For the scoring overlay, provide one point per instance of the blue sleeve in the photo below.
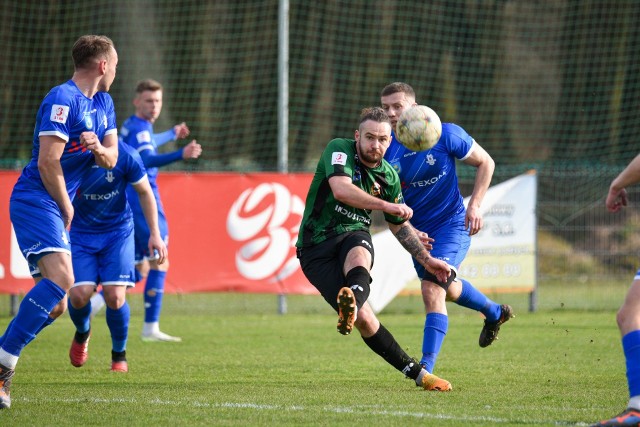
(153, 160)
(164, 137)
(135, 166)
(458, 141)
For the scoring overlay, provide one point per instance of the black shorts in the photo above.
(323, 264)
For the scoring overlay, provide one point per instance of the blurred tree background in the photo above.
(550, 85)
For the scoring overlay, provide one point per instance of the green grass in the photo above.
(242, 364)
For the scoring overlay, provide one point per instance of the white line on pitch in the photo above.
(257, 406)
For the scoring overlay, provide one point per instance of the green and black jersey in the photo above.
(324, 216)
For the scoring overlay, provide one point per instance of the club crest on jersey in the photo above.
(430, 160)
(88, 121)
(375, 190)
(109, 176)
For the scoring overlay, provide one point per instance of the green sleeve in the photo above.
(338, 158)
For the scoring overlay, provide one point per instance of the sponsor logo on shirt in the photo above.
(338, 158)
(352, 215)
(425, 182)
(104, 121)
(101, 197)
(59, 113)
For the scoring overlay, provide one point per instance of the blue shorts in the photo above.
(105, 258)
(451, 244)
(142, 235)
(39, 229)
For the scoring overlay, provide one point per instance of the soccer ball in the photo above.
(418, 128)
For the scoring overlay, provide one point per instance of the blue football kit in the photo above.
(102, 240)
(102, 228)
(66, 113)
(138, 133)
(430, 187)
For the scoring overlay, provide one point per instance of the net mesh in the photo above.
(547, 85)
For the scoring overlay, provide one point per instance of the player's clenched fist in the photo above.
(90, 141)
(192, 150)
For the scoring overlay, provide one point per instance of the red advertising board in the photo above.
(228, 232)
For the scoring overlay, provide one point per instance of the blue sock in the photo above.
(33, 313)
(81, 317)
(118, 323)
(435, 329)
(153, 293)
(631, 347)
(472, 298)
(44, 325)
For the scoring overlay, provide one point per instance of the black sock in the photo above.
(358, 279)
(383, 343)
(81, 338)
(118, 356)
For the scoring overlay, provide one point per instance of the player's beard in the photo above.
(372, 157)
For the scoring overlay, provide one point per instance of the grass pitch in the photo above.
(242, 364)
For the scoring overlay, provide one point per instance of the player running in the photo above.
(75, 130)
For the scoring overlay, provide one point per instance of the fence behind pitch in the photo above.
(546, 85)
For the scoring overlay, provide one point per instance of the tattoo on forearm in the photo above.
(407, 237)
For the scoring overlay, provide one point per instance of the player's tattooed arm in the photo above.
(406, 235)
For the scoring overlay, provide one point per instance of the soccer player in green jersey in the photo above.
(334, 244)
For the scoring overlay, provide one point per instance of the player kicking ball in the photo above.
(334, 245)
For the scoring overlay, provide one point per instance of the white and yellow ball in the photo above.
(418, 128)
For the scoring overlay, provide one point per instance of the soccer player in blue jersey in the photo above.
(103, 250)
(137, 131)
(430, 188)
(628, 316)
(75, 130)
